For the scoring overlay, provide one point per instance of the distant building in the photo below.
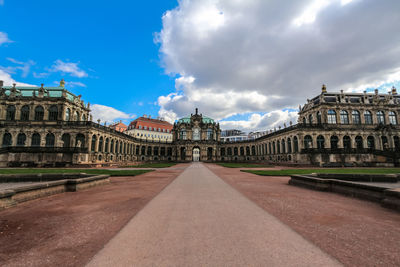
(146, 128)
(119, 126)
(233, 136)
(255, 135)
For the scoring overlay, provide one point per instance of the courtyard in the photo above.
(199, 214)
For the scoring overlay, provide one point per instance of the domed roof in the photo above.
(187, 120)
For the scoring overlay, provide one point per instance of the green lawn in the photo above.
(151, 165)
(88, 171)
(289, 172)
(243, 165)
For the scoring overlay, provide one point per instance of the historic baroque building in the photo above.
(50, 126)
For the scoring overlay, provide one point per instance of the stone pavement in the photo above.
(199, 220)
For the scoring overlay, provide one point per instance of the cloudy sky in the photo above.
(247, 63)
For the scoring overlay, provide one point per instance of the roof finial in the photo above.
(323, 88)
(394, 91)
(197, 110)
(62, 83)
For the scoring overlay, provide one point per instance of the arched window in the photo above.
(344, 117)
(307, 142)
(35, 139)
(93, 145)
(310, 118)
(107, 143)
(10, 116)
(21, 138)
(25, 113)
(100, 148)
(7, 140)
(183, 153)
(355, 114)
(396, 141)
(392, 118)
(273, 148)
(380, 117)
(331, 116)
(143, 150)
(295, 144)
(83, 117)
(334, 142)
(209, 134)
(80, 140)
(385, 144)
(242, 151)
(117, 146)
(283, 146)
(304, 120)
(253, 150)
(53, 113)
(223, 151)
(368, 117)
(112, 147)
(67, 114)
(77, 116)
(346, 142)
(182, 134)
(278, 147)
(50, 140)
(289, 145)
(229, 151)
(39, 113)
(319, 118)
(371, 142)
(66, 138)
(235, 151)
(320, 142)
(359, 142)
(247, 151)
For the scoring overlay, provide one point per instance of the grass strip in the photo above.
(151, 165)
(243, 165)
(289, 172)
(88, 171)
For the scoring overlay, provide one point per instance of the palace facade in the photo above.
(50, 126)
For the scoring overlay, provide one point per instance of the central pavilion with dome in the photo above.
(196, 137)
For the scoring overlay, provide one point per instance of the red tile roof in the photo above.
(148, 122)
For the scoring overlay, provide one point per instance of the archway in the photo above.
(196, 154)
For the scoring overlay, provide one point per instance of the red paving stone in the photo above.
(356, 232)
(68, 229)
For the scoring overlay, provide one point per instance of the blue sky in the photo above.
(247, 64)
(112, 43)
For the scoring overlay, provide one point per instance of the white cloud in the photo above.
(69, 68)
(8, 80)
(74, 84)
(108, 114)
(25, 67)
(239, 57)
(258, 122)
(4, 37)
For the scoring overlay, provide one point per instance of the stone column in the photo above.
(96, 146)
(340, 141)
(327, 143)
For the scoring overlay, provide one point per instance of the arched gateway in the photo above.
(196, 154)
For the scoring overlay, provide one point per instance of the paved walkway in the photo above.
(199, 220)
